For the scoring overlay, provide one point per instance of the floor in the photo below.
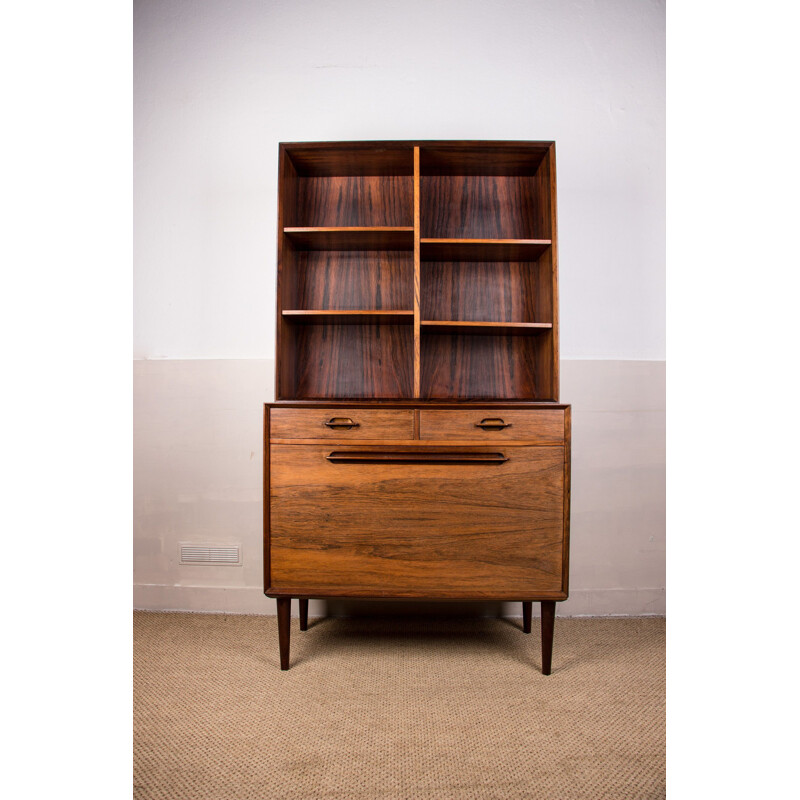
(397, 708)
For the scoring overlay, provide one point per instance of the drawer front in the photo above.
(540, 426)
(343, 424)
(415, 521)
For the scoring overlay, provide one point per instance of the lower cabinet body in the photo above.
(469, 512)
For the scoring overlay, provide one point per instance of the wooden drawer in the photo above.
(539, 426)
(343, 424)
(417, 521)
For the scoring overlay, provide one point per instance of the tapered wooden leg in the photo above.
(548, 623)
(284, 608)
(527, 606)
(303, 614)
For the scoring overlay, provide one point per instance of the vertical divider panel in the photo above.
(417, 294)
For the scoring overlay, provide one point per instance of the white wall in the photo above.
(219, 83)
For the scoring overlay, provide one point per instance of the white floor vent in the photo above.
(219, 554)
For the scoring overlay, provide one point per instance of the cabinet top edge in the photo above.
(396, 158)
(533, 404)
(404, 143)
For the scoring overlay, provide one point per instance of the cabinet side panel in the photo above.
(546, 191)
(285, 379)
(265, 497)
(567, 491)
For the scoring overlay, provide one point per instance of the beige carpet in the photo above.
(388, 708)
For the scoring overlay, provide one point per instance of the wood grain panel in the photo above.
(479, 207)
(405, 530)
(336, 279)
(548, 182)
(483, 367)
(265, 495)
(355, 200)
(542, 288)
(482, 292)
(545, 427)
(542, 197)
(373, 423)
(567, 490)
(351, 158)
(285, 376)
(482, 158)
(353, 361)
(545, 307)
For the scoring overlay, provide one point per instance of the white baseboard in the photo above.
(251, 600)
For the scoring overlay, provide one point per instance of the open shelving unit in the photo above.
(417, 270)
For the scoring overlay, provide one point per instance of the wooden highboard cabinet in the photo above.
(416, 448)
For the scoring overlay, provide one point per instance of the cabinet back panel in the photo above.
(358, 361)
(354, 201)
(482, 207)
(477, 291)
(490, 158)
(359, 279)
(351, 158)
(542, 278)
(465, 366)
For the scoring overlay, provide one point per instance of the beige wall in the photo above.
(197, 477)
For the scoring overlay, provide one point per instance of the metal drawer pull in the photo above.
(492, 424)
(341, 422)
(399, 457)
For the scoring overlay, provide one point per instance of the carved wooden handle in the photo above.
(341, 422)
(492, 424)
(400, 457)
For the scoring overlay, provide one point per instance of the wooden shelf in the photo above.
(348, 316)
(352, 238)
(482, 249)
(485, 328)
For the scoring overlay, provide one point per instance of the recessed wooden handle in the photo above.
(492, 424)
(341, 422)
(400, 457)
